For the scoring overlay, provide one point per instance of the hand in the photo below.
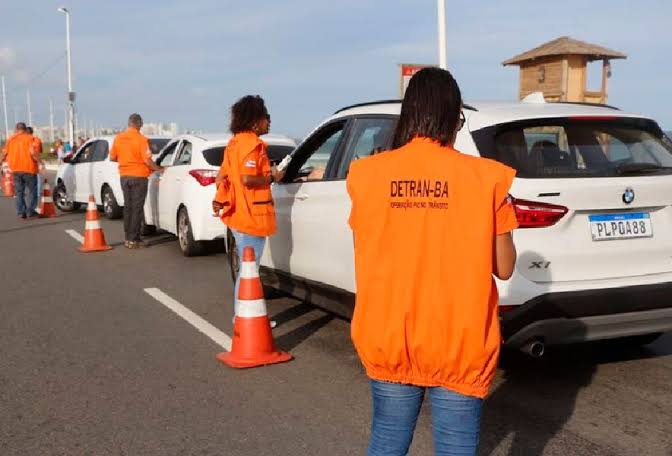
(160, 169)
(277, 175)
(216, 207)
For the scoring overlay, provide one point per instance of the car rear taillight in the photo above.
(531, 214)
(204, 176)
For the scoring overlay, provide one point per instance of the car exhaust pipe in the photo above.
(534, 348)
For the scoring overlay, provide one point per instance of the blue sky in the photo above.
(188, 61)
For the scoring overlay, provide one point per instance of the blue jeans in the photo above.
(243, 240)
(25, 183)
(456, 419)
(38, 190)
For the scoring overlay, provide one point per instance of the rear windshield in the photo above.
(215, 155)
(157, 144)
(578, 147)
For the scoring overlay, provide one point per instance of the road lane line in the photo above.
(75, 235)
(194, 320)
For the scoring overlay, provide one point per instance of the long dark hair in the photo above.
(431, 108)
(246, 112)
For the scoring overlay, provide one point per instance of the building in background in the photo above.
(558, 69)
(161, 129)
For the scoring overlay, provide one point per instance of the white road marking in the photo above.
(194, 320)
(75, 235)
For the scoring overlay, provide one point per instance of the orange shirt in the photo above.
(37, 144)
(424, 219)
(19, 150)
(254, 213)
(130, 149)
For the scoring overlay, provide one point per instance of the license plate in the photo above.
(608, 227)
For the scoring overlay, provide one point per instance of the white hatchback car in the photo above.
(593, 196)
(91, 172)
(179, 201)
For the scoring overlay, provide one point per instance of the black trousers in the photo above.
(135, 193)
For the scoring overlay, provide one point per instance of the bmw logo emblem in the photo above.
(628, 195)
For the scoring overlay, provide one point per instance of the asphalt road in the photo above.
(91, 364)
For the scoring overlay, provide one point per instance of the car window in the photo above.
(368, 136)
(277, 153)
(166, 157)
(312, 159)
(100, 151)
(214, 156)
(85, 154)
(578, 147)
(184, 154)
(156, 144)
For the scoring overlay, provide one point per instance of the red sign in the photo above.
(407, 72)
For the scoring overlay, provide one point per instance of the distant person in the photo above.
(131, 150)
(59, 150)
(248, 170)
(23, 160)
(431, 227)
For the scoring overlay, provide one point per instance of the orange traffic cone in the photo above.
(94, 238)
(7, 182)
(252, 343)
(47, 208)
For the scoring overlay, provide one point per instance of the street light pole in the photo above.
(71, 93)
(443, 63)
(4, 108)
(30, 112)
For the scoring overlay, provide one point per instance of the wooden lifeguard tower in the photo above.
(558, 69)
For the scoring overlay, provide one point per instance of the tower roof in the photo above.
(566, 45)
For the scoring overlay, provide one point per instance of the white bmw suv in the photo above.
(593, 196)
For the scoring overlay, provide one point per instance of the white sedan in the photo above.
(90, 172)
(179, 201)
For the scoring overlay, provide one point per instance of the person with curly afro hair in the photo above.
(246, 173)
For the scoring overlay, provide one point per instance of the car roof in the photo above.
(110, 138)
(487, 113)
(221, 139)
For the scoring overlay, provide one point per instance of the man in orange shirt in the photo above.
(24, 162)
(431, 227)
(131, 150)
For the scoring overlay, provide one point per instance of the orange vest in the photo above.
(19, 150)
(130, 149)
(254, 213)
(424, 219)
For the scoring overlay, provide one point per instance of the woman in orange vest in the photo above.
(249, 172)
(431, 227)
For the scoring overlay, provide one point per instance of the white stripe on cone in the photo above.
(248, 270)
(252, 308)
(92, 225)
(47, 199)
(92, 206)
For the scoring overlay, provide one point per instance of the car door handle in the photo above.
(302, 196)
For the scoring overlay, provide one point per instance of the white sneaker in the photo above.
(273, 324)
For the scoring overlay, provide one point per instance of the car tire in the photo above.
(111, 209)
(185, 235)
(232, 253)
(61, 199)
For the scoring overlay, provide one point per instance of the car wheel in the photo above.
(185, 235)
(61, 199)
(234, 259)
(111, 209)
